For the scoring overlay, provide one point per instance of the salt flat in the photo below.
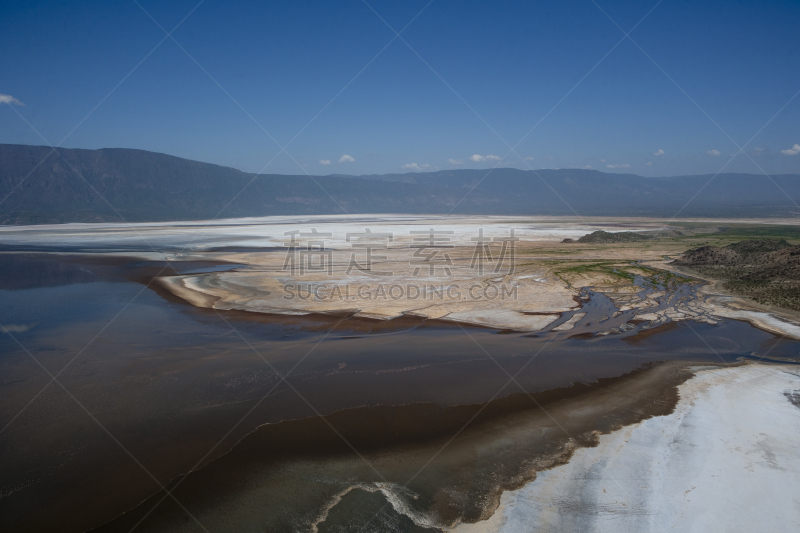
(501, 272)
(725, 460)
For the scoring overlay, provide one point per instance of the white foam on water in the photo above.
(393, 494)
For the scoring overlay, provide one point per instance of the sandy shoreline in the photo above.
(544, 284)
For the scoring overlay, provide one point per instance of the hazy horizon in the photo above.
(410, 171)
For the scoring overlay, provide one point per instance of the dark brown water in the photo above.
(156, 388)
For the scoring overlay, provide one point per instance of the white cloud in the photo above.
(658, 152)
(419, 168)
(324, 161)
(528, 158)
(477, 158)
(8, 99)
(455, 161)
(602, 160)
(794, 150)
(714, 153)
(346, 159)
(649, 163)
(620, 165)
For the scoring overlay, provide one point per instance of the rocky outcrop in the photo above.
(767, 270)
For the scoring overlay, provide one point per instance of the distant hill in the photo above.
(601, 236)
(748, 253)
(767, 270)
(605, 237)
(39, 185)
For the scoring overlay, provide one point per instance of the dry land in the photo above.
(511, 273)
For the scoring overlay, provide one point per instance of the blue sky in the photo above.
(482, 76)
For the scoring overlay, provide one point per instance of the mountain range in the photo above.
(40, 185)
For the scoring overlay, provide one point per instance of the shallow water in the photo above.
(172, 387)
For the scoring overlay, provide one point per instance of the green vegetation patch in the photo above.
(613, 270)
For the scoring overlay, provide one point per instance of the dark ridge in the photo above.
(601, 236)
(41, 185)
(751, 253)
